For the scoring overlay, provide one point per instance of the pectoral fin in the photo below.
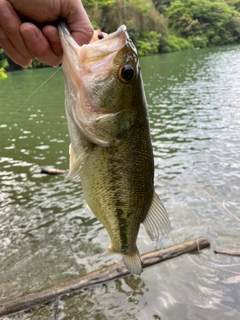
(107, 129)
(76, 164)
(157, 221)
(72, 156)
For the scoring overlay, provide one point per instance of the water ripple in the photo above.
(46, 234)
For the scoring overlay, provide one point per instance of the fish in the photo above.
(111, 147)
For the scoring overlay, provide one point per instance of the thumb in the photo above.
(78, 22)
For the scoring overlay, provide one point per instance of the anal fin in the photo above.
(132, 261)
(157, 221)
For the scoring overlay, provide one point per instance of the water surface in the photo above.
(47, 236)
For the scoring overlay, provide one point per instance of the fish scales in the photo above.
(111, 146)
(121, 192)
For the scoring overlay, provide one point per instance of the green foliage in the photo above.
(133, 30)
(188, 27)
(204, 22)
(234, 3)
(176, 43)
(3, 64)
(3, 60)
(99, 3)
(142, 5)
(161, 5)
(37, 64)
(199, 41)
(3, 74)
(148, 43)
(157, 26)
(138, 15)
(235, 25)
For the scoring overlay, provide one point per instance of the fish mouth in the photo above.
(94, 51)
(65, 34)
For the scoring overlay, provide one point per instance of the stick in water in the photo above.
(100, 276)
(52, 171)
(228, 252)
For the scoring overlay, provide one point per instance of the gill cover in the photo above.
(99, 85)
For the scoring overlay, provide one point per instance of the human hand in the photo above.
(27, 29)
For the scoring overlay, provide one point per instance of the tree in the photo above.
(149, 43)
(203, 19)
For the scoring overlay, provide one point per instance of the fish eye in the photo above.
(127, 72)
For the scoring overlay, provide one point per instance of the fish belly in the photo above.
(118, 187)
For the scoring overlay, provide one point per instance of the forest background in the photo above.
(161, 26)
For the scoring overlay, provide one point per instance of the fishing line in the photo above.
(19, 108)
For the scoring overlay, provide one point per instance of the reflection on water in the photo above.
(46, 234)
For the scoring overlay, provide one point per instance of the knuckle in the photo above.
(56, 62)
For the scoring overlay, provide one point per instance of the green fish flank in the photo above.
(111, 146)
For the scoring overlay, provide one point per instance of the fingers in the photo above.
(25, 42)
(10, 38)
(11, 51)
(52, 35)
(42, 45)
(78, 22)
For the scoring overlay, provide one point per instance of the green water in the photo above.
(47, 236)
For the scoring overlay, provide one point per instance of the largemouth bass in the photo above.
(111, 147)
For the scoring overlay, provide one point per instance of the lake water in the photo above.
(47, 236)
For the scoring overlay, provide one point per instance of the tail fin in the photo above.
(133, 262)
